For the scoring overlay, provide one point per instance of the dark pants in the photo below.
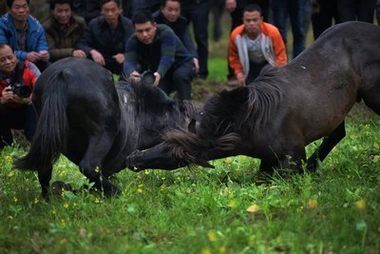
(324, 12)
(361, 10)
(297, 12)
(254, 71)
(197, 13)
(14, 118)
(179, 79)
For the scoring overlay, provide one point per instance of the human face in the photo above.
(252, 22)
(171, 10)
(111, 13)
(8, 60)
(62, 13)
(145, 32)
(20, 10)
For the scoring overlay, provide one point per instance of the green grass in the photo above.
(335, 210)
(204, 211)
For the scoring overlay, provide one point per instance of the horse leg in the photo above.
(267, 166)
(293, 159)
(44, 177)
(326, 146)
(91, 163)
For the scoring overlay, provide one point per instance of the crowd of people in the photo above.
(130, 37)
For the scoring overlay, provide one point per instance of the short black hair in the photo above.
(54, 2)
(163, 2)
(10, 2)
(117, 2)
(253, 7)
(141, 17)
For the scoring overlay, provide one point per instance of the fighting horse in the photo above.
(95, 124)
(285, 109)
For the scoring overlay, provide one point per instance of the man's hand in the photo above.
(240, 78)
(21, 100)
(135, 76)
(196, 64)
(44, 55)
(158, 78)
(6, 95)
(119, 58)
(79, 53)
(230, 5)
(33, 56)
(97, 57)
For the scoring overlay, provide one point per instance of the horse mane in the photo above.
(264, 98)
(252, 105)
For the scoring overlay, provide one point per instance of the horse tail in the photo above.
(49, 137)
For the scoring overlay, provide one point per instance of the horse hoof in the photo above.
(59, 187)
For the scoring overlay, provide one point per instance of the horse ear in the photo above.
(191, 126)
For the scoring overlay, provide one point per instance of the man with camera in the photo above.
(16, 83)
(155, 47)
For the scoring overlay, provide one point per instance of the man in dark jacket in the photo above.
(63, 30)
(105, 39)
(157, 48)
(170, 15)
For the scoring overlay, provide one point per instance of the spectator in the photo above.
(196, 12)
(105, 39)
(324, 12)
(16, 110)
(170, 15)
(24, 34)
(88, 9)
(236, 7)
(253, 45)
(297, 10)
(63, 30)
(362, 10)
(157, 48)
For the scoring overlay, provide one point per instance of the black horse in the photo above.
(285, 109)
(95, 125)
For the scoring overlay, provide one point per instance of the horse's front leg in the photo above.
(44, 177)
(326, 146)
(293, 159)
(91, 163)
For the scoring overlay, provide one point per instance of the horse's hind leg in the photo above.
(326, 146)
(44, 177)
(91, 163)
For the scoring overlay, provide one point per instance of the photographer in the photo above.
(16, 82)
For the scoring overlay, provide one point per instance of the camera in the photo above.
(21, 90)
(148, 78)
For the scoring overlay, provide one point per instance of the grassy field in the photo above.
(194, 210)
(224, 210)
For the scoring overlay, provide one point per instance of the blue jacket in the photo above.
(35, 35)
